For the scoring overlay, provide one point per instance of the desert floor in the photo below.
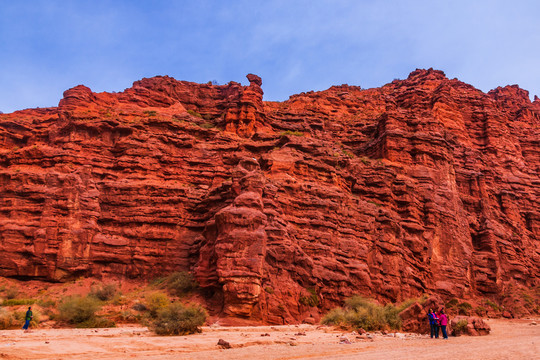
(510, 339)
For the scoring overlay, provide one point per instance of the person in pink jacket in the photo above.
(443, 322)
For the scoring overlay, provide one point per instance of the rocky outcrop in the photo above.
(468, 325)
(233, 253)
(280, 209)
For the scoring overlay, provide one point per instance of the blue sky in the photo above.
(49, 46)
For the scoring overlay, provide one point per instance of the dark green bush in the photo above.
(177, 319)
(310, 300)
(80, 311)
(464, 308)
(180, 283)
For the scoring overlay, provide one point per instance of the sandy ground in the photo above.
(510, 339)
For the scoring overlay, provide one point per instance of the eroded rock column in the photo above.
(239, 246)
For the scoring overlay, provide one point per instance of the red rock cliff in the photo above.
(423, 185)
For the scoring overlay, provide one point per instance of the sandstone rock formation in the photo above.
(280, 209)
(468, 325)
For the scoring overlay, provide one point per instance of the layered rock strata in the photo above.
(280, 209)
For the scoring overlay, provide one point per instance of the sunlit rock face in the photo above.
(279, 209)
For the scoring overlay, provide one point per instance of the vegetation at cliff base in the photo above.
(178, 319)
(81, 312)
(360, 312)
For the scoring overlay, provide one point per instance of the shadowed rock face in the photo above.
(423, 185)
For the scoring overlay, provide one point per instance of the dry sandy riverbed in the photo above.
(510, 339)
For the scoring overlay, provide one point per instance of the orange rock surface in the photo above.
(425, 185)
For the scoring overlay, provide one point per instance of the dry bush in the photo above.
(155, 302)
(7, 319)
(364, 313)
(81, 312)
(104, 292)
(177, 319)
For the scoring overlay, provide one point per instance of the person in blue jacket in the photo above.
(27, 318)
(433, 324)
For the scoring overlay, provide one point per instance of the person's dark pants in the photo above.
(443, 329)
(437, 331)
(433, 328)
(26, 325)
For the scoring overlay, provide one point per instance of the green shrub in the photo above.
(391, 315)
(104, 292)
(180, 283)
(334, 317)
(369, 318)
(78, 310)
(460, 327)
(14, 302)
(310, 300)
(177, 319)
(363, 313)
(194, 113)
(348, 153)
(357, 302)
(150, 113)
(155, 302)
(464, 308)
(452, 303)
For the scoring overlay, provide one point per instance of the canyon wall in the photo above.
(280, 209)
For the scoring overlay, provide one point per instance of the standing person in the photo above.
(444, 321)
(437, 323)
(432, 323)
(28, 317)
